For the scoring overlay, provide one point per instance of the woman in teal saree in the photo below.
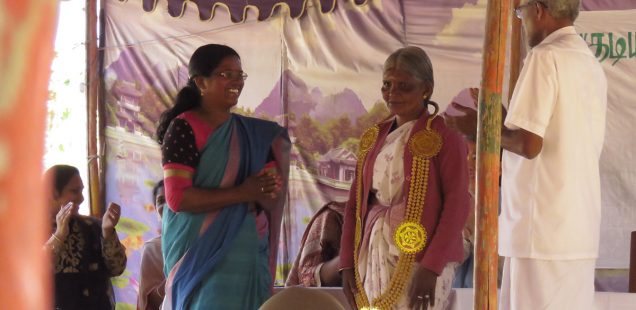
(225, 178)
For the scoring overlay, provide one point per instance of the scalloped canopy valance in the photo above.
(238, 8)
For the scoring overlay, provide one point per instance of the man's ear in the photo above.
(541, 10)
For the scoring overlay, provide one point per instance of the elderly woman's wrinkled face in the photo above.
(72, 192)
(403, 93)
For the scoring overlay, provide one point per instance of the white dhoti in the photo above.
(535, 284)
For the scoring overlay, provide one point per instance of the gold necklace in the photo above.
(410, 236)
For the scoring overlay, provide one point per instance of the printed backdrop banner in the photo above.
(611, 36)
(318, 75)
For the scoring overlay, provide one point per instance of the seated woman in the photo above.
(317, 261)
(402, 234)
(86, 250)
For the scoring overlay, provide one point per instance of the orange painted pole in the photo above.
(488, 148)
(26, 32)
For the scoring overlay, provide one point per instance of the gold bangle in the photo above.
(340, 270)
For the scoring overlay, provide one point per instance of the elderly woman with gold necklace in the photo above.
(402, 233)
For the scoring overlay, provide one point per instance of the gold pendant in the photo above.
(368, 139)
(410, 237)
(425, 143)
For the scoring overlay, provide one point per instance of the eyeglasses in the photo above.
(232, 75)
(519, 9)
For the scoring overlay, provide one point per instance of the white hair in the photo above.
(563, 9)
(414, 60)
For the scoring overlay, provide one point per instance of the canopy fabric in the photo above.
(238, 8)
(266, 8)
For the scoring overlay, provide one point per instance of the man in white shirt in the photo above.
(552, 139)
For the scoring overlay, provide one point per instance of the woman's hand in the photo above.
(422, 291)
(61, 219)
(262, 187)
(329, 275)
(349, 286)
(110, 219)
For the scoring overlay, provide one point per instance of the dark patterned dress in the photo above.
(84, 265)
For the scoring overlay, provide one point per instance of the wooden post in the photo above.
(95, 163)
(27, 34)
(632, 264)
(488, 149)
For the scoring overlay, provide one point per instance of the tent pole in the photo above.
(488, 150)
(95, 162)
(632, 264)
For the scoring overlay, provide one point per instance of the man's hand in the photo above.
(465, 124)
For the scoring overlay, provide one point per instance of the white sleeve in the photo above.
(535, 94)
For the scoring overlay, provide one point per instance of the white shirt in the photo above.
(551, 205)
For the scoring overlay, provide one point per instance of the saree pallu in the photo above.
(217, 260)
(320, 243)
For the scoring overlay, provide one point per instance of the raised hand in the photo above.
(61, 219)
(110, 219)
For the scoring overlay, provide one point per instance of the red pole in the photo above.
(488, 148)
(27, 34)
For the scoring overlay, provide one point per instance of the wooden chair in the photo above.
(296, 297)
